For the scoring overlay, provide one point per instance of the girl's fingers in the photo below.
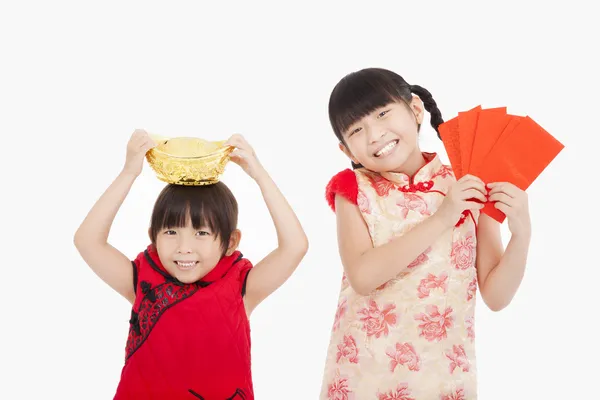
(468, 177)
(501, 197)
(474, 194)
(477, 185)
(504, 187)
(506, 209)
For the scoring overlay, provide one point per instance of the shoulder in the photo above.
(343, 183)
(243, 265)
(142, 257)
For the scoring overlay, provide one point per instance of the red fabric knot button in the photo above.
(417, 187)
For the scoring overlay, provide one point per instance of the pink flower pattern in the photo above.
(347, 350)
(470, 322)
(404, 354)
(376, 322)
(443, 172)
(402, 392)
(472, 289)
(421, 259)
(338, 390)
(363, 202)
(434, 325)
(459, 394)
(412, 202)
(463, 253)
(381, 185)
(432, 282)
(458, 358)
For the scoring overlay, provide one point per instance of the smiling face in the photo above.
(188, 254)
(376, 117)
(386, 139)
(193, 227)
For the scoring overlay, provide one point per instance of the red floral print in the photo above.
(432, 282)
(381, 185)
(458, 358)
(402, 392)
(443, 172)
(472, 289)
(348, 350)
(414, 202)
(434, 324)
(363, 203)
(459, 394)
(338, 390)
(421, 259)
(404, 354)
(376, 322)
(470, 322)
(463, 253)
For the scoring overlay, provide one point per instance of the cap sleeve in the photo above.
(135, 265)
(344, 184)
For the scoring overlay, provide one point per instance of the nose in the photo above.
(183, 246)
(375, 133)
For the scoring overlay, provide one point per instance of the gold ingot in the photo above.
(187, 160)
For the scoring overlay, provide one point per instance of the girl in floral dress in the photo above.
(414, 249)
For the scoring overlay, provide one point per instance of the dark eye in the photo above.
(170, 232)
(203, 233)
(381, 114)
(354, 131)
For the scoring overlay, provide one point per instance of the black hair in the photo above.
(360, 93)
(212, 206)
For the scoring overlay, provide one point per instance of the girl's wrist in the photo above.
(129, 175)
(261, 176)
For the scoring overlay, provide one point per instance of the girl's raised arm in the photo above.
(91, 239)
(367, 267)
(292, 244)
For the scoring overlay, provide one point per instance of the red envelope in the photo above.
(498, 147)
(468, 123)
(491, 126)
(449, 134)
(519, 158)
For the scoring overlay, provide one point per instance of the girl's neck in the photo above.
(412, 165)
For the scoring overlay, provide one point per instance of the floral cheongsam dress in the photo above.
(413, 337)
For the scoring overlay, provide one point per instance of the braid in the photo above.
(430, 106)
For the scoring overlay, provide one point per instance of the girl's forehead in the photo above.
(373, 113)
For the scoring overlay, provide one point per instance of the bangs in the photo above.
(211, 206)
(180, 212)
(360, 93)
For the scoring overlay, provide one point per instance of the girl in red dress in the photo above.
(191, 290)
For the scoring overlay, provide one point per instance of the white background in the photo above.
(78, 77)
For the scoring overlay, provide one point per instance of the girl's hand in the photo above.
(460, 197)
(244, 156)
(514, 203)
(139, 143)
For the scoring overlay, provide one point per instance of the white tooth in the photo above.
(186, 265)
(386, 149)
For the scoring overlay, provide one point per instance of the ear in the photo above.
(417, 107)
(234, 242)
(347, 152)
